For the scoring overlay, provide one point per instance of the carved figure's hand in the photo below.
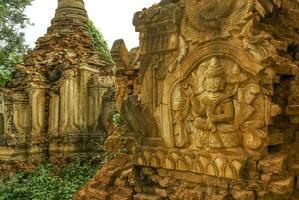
(202, 124)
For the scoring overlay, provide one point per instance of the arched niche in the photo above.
(193, 60)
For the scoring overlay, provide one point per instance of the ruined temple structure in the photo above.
(127, 72)
(53, 106)
(216, 116)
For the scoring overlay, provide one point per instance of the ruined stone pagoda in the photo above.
(53, 104)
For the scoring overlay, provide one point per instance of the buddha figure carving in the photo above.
(213, 109)
(220, 106)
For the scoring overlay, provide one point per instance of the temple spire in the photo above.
(70, 12)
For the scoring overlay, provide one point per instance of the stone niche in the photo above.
(206, 86)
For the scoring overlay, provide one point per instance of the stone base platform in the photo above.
(75, 146)
(220, 163)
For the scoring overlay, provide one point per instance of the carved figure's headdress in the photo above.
(214, 69)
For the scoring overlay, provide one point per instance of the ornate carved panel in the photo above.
(212, 96)
(220, 104)
(21, 115)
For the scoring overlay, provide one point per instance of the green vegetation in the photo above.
(12, 42)
(99, 42)
(46, 183)
(117, 120)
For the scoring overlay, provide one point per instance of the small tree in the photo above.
(12, 42)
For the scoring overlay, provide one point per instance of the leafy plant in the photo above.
(12, 42)
(117, 120)
(46, 183)
(99, 42)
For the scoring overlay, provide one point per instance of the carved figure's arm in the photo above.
(198, 109)
(228, 112)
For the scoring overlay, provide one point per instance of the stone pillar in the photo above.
(94, 103)
(83, 98)
(53, 128)
(37, 102)
(68, 100)
(97, 88)
(21, 117)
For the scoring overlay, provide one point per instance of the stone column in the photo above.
(21, 117)
(94, 104)
(37, 102)
(83, 98)
(98, 86)
(68, 100)
(53, 128)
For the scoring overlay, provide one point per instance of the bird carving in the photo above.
(214, 12)
(208, 19)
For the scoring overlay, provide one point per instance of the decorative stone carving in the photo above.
(218, 105)
(204, 162)
(212, 93)
(53, 128)
(37, 102)
(21, 114)
(211, 19)
(68, 100)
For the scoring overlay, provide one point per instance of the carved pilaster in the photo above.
(83, 98)
(94, 103)
(68, 100)
(37, 102)
(53, 128)
(21, 114)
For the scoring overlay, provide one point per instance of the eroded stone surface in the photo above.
(110, 182)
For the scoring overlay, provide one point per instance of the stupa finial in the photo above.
(70, 11)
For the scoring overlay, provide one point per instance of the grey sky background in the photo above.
(112, 17)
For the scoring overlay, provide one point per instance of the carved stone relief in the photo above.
(21, 115)
(211, 19)
(220, 105)
(37, 102)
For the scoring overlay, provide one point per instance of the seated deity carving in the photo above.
(213, 108)
(218, 107)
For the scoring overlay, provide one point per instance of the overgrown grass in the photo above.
(46, 183)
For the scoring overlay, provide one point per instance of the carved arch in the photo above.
(198, 56)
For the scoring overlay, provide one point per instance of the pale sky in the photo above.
(112, 17)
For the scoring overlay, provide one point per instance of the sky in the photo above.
(112, 17)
